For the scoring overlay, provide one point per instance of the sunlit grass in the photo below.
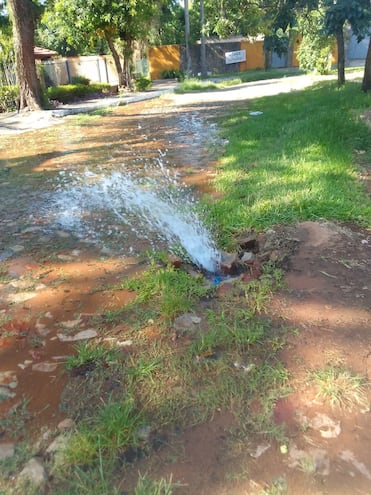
(340, 388)
(294, 162)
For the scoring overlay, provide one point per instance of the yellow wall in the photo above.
(254, 55)
(166, 57)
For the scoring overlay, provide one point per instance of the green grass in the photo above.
(340, 388)
(222, 81)
(294, 162)
(90, 353)
(174, 290)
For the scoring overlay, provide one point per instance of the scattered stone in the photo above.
(45, 367)
(71, 323)
(229, 262)
(6, 450)
(34, 471)
(20, 297)
(76, 252)
(260, 449)
(247, 258)
(90, 333)
(6, 393)
(186, 323)
(42, 330)
(327, 427)
(21, 284)
(66, 425)
(57, 444)
(8, 379)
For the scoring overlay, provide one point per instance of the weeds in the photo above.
(15, 421)
(109, 432)
(146, 486)
(340, 388)
(174, 291)
(90, 353)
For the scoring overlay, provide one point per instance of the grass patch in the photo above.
(340, 388)
(222, 81)
(294, 162)
(172, 291)
(89, 354)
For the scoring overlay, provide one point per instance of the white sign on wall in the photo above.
(234, 57)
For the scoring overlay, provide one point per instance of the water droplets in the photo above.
(151, 203)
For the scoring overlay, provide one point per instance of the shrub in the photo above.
(80, 80)
(142, 84)
(8, 98)
(173, 74)
(72, 92)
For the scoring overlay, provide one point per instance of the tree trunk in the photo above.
(116, 59)
(341, 57)
(128, 55)
(366, 83)
(23, 37)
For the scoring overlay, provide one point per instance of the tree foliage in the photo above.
(119, 22)
(316, 47)
(337, 12)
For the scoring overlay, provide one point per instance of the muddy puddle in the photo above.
(51, 274)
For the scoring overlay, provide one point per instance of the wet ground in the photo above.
(49, 276)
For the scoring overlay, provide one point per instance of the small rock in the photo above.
(66, 425)
(6, 393)
(20, 297)
(45, 367)
(90, 333)
(6, 450)
(34, 471)
(57, 444)
(327, 427)
(8, 379)
(186, 323)
(229, 262)
(247, 258)
(260, 449)
(70, 323)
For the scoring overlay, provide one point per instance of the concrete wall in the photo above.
(96, 68)
(161, 58)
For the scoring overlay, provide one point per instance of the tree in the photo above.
(337, 12)
(119, 22)
(23, 21)
(366, 83)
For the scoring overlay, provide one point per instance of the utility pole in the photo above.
(187, 36)
(203, 39)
